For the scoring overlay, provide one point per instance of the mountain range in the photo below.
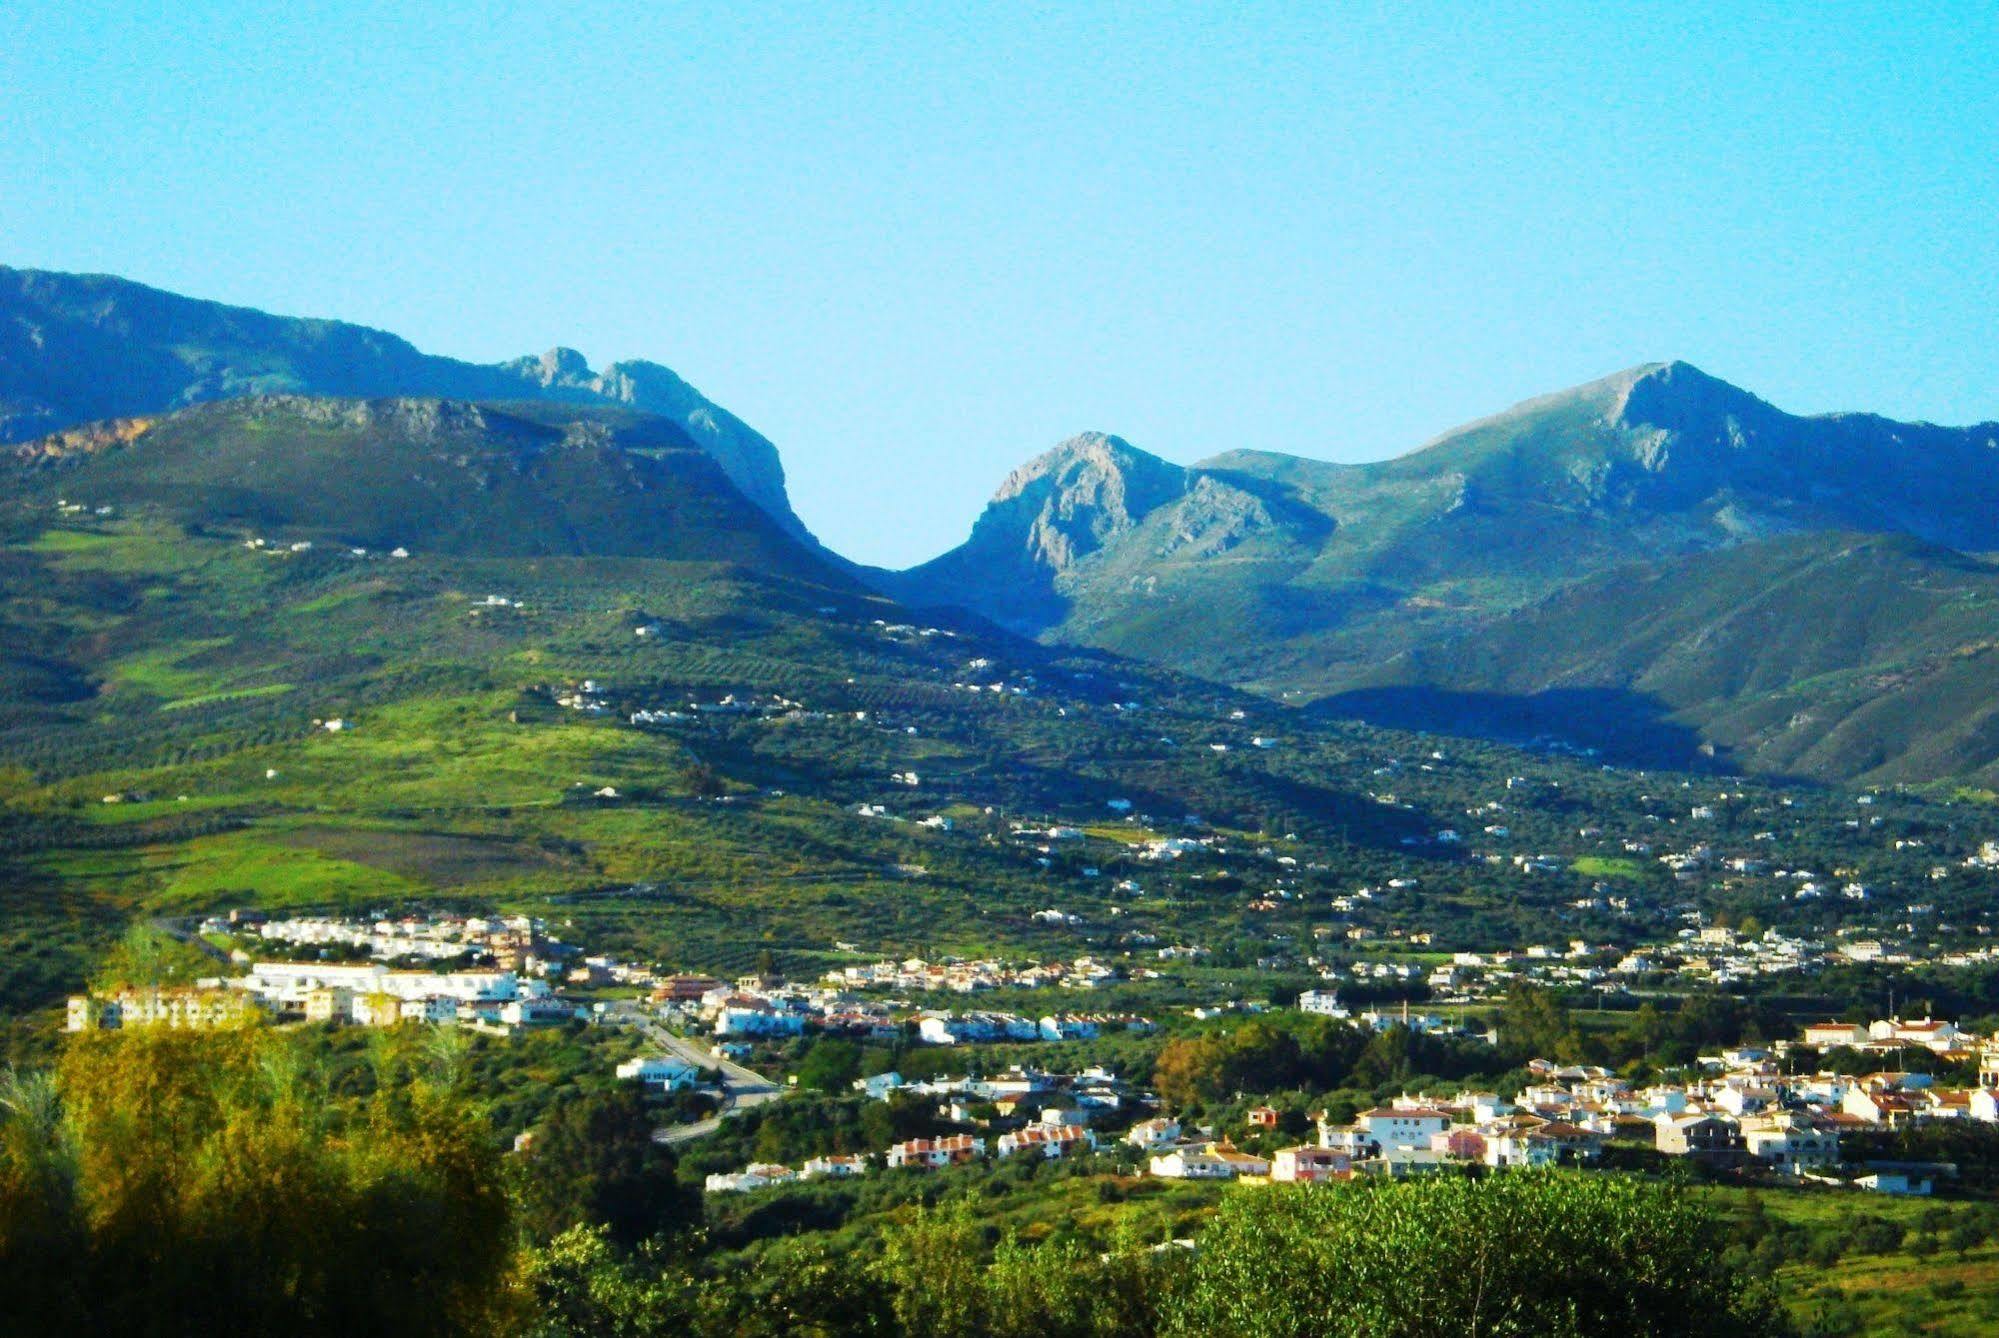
(1652, 553)
(1656, 565)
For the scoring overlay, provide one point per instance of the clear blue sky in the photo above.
(917, 245)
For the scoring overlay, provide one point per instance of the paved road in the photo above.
(742, 1088)
(188, 930)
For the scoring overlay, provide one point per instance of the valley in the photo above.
(1589, 758)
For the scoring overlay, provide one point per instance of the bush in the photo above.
(1557, 1255)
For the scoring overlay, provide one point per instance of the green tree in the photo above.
(830, 1065)
(1535, 1023)
(939, 1284)
(1188, 1070)
(1965, 1236)
(164, 1162)
(583, 1286)
(1559, 1255)
(931, 1266)
(148, 958)
(594, 1162)
(40, 1228)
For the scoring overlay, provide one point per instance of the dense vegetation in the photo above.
(172, 1182)
(165, 1182)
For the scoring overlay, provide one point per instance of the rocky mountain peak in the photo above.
(561, 366)
(1069, 502)
(1680, 397)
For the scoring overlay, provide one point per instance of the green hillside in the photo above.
(167, 686)
(605, 689)
(1829, 655)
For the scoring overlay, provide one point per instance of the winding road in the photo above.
(743, 1088)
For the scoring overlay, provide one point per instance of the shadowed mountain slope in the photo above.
(425, 474)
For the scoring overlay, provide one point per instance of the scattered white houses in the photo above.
(1207, 1161)
(184, 1006)
(1325, 1003)
(1791, 1143)
(287, 986)
(880, 1086)
(1394, 1127)
(1895, 1182)
(1306, 1164)
(1519, 1147)
(962, 1028)
(1069, 1027)
(759, 1175)
(1930, 1034)
(834, 1167)
(744, 1016)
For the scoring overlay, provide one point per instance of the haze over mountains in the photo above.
(1656, 564)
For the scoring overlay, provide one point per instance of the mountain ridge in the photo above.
(81, 348)
(1658, 498)
(521, 478)
(1333, 581)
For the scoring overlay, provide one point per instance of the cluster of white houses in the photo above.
(1748, 1115)
(365, 994)
(1091, 1093)
(1055, 1134)
(971, 977)
(1745, 1114)
(749, 1009)
(516, 942)
(1698, 955)
(763, 1174)
(666, 1073)
(963, 1028)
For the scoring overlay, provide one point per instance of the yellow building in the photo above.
(330, 1003)
(180, 1006)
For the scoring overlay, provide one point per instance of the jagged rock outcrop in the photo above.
(1094, 510)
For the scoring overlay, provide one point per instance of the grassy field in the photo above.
(1872, 1264)
(1604, 866)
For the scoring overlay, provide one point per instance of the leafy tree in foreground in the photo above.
(170, 1182)
(938, 1285)
(1554, 1255)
